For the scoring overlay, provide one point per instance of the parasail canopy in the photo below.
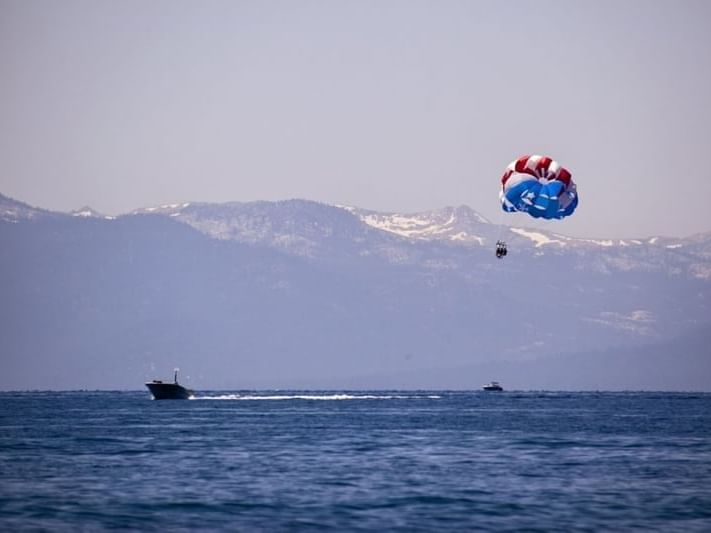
(539, 186)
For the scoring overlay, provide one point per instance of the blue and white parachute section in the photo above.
(539, 186)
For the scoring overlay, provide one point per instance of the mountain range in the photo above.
(300, 294)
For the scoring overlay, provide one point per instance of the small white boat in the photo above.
(493, 386)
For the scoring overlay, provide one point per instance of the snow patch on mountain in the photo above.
(458, 224)
(539, 238)
(165, 209)
(88, 212)
(638, 321)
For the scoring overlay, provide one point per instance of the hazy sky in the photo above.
(389, 105)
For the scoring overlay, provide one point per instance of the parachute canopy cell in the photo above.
(539, 186)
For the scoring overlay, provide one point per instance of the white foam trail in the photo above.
(319, 397)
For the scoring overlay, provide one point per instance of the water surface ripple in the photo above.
(356, 460)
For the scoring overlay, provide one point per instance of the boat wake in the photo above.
(318, 397)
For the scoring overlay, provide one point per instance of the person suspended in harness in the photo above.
(500, 249)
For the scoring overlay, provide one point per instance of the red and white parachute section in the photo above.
(539, 186)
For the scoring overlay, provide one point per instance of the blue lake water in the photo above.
(349, 461)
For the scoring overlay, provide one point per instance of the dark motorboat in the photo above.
(493, 386)
(168, 391)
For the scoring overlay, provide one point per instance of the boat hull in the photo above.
(168, 391)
